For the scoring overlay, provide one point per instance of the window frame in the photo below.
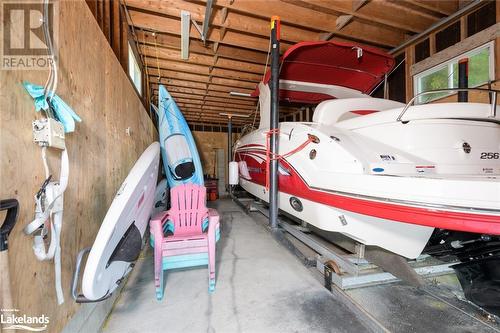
(134, 69)
(417, 83)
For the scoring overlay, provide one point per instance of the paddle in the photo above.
(11, 205)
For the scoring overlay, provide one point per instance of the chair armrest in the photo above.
(156, 226)
(213, 219)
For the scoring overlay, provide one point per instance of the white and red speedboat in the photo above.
(378, 171)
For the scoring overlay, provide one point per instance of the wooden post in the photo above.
(124, 41)
(463, 27)
(116, 28)
(100, 13)
(409, 60)
(92, 6)
(432, 43)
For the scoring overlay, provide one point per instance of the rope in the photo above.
(143, 56)
(273, 156)
(263, 76)
(51, 83)
(157, 60)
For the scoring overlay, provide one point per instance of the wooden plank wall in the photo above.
(101, 154)
(207, 142)
(452, 52)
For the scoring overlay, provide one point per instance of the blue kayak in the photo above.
(178, 150)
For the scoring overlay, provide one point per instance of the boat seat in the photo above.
(332, 111)
(461, 111)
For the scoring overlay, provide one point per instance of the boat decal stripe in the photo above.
(445, 217)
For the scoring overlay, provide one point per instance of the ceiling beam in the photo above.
(195, 46)
(186, 67)
(224, 19)
(190, 100)
(200, 59)
(315, 20)
(200, 85)
(212, 99)
(444, 7)
(195, 115)
(164, 24)
(214, 95)
(374, 12)
(153, 71)
(413, 8)
(191, 106)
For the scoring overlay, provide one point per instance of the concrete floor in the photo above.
(261, 287)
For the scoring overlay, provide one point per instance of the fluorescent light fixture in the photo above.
(230, 115)
(185, 28)
(235, 93)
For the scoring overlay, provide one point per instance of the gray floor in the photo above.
(261, 287)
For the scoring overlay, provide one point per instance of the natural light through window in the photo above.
(445, 75)
(133, 70)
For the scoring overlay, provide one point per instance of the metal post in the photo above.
(229, 148)
(229, 139)
(463, 79)
(274, 85)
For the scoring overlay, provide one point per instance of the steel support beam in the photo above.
(274, 125)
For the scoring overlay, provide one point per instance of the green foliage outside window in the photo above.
(447, 77)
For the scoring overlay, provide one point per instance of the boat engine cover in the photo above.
(480, 280)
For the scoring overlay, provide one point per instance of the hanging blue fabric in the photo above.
(64, 112)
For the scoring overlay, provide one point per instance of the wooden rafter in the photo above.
(376, 12)
(443, 7)
(314, 20)
(235, 53)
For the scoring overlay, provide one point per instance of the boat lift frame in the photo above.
(350, 270)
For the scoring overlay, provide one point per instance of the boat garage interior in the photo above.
(250, 166)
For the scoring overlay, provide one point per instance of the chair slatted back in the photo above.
(188, 209)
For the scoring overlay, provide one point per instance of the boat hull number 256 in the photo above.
(490, 156)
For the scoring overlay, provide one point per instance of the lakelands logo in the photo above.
(10, 320)
(24, 43)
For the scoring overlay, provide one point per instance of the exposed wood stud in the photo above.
(116, 28)
(222, 33)
(93, 7)
(357, 4)
(343, 20)
(438, 6)
(463, 27)
(327, 36)
(124, 40)
(410, 59)
(107, 20)
(224, 15)
(432, 43)
(100, 13)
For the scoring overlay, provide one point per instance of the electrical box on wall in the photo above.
(49, 132)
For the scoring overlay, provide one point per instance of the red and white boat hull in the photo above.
(337, 193)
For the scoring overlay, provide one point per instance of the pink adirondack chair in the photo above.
(190, 245)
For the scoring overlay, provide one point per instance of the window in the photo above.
(482, 18)
(134, 71)
(448, 36)
(481, 70)
(422, 50)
